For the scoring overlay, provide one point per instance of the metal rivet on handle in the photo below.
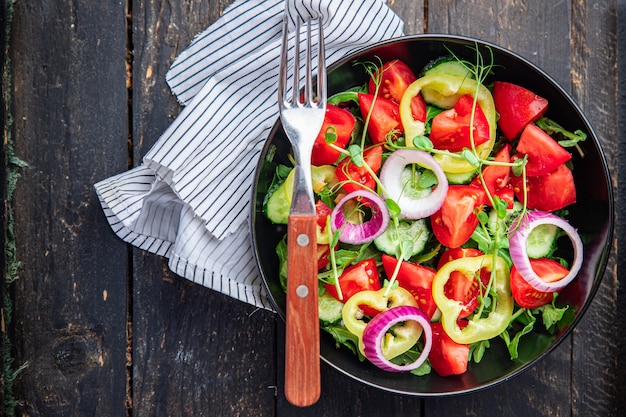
(302, 291)
(302, 240)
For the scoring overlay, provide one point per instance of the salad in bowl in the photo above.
(451, 248)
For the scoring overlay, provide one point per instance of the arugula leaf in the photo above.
(551, 315)
(343, 337)
(512, 345)
(551, 127)
(478, 349)
(281, 252)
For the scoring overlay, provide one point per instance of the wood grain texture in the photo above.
(70, 118)
(302, 341)
(595, 353)
(193, 351)
(619, 400)
(4, 125)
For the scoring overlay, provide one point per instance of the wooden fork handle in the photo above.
(302, 352)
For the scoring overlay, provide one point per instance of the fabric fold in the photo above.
(190, 199)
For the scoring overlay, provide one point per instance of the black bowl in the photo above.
(592, 215)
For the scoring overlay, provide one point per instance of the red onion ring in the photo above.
(391, 178)
(377, 328)
(518, 237)
(357, 234)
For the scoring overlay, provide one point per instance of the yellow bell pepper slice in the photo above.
(449, 88)
(477, 328)
(403, 338)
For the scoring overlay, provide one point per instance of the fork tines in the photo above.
(308, 96)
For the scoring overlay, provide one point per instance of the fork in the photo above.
(302, 119)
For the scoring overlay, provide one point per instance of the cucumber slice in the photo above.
(444, 65)
(542, 241)
(448, 65)
(329, 308)
(415, 232)
(461, 178)
(277, 206)
(501, 226)
(436, 99)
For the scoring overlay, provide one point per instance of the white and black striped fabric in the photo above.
(190, 199)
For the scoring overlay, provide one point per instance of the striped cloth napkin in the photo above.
(190, 198)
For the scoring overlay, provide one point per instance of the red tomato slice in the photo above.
(497, 178)
(362, 276)
(528, 297)
(323, 252)
(544, 153)
(505, 194)
(517, 107)
(451, 129)
(347, 170)
(460, 287)
(446, 356)
(548, 192)
(340, 122)
(384, 119)
(456, 220)
(323, 211)
(416, 279)
(395, 79)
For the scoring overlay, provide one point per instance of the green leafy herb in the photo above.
(343, 337)
(478, 349)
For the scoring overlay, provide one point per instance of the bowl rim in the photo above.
(605, 249)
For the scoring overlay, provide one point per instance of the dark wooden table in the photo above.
(107, 330)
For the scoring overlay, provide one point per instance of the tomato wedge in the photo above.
(355, 177)
(385, 117)
(548, 192)
(323, 252)
(461, 287)
(456, 220)
(395, 78)
(416, 279)
(544, 153)
(496, 177)
(362, 276)
(451, 129)
(446, 356)
(340, 123)
(517, 107)
(524, 294)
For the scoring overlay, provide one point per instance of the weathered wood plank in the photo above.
(598, 347)
(195, 351)
(412, 13)
(619, 402)
(4, 111)
(70, 127)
